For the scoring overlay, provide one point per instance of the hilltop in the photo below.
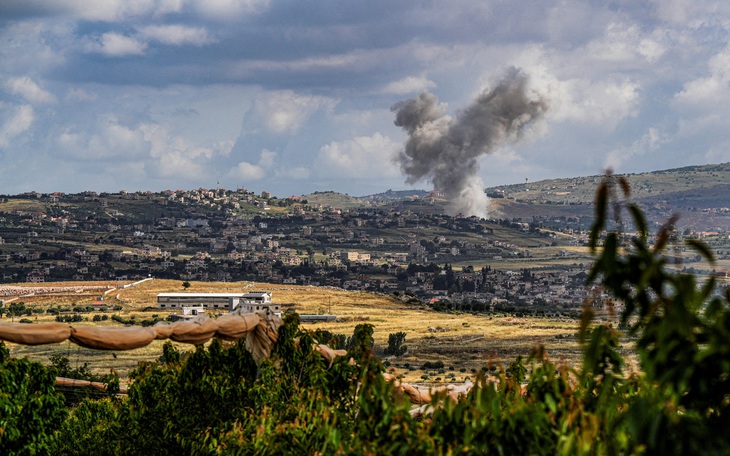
(698, 193)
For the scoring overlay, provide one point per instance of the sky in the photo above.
(294, 97)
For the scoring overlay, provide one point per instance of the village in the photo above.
(410, 249)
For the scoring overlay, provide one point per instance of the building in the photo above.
(189, 314)
(252, 301)
(355, 256)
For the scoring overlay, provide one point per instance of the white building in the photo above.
(252, 301)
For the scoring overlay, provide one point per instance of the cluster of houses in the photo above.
(222, 235)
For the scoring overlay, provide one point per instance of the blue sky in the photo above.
(295, 96)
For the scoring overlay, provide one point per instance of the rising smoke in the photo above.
(446, 151)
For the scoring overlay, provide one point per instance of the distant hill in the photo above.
(672, 185)
(390, 196)
(699, 194)
(334, 200)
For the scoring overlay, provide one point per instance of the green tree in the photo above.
(396, 345)
(30, 409)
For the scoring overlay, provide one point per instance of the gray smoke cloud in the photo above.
(446, 151)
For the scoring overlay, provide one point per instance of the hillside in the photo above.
(699, 194)
(334, 200)
(671, 184)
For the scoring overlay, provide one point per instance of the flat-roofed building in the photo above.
(252, 301)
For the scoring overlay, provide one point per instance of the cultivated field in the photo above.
(464, 343)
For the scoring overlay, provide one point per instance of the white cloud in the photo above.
(229, 9)
(173, 156)
(223, 148)
(711, 91)
(28, 89)
(267, 158)
(177, 166)
(650, 141)
(601, 102)
(116, 45)
(284, 112)
(693, 13)
(109, 140)
(249, 171)
(410, 84)
(624, 44)
(114, 10)
(362, 157)
(177, 34)
(18, 122)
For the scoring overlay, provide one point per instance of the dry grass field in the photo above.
(464, 343)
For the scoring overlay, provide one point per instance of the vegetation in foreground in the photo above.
(217, 400)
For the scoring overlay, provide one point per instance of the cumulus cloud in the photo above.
(624, 44)
(360, 157)
(604, 102)
(410, 84)
(176, 165)
(174, 156)
(248, 171)
(15, 123)
(116, 45)
(28, 89)
(254, 172)
(712, 90)
(648, 142)
(176, 34)
(284, 112)
(109, 140)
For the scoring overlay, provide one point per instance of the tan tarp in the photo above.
(75, 383)
(196, 333)
(163, 330)
(34, 334)
(420, 395)
(234, 327)
(110, 338)
(261, 340)
(260, 332)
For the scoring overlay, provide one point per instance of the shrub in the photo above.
(395, 344)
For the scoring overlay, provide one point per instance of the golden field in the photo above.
(464, 343)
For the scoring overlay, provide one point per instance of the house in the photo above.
(189, 314)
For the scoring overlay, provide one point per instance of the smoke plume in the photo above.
(446, 151)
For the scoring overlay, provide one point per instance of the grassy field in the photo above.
(464, 343)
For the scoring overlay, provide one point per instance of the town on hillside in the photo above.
(409, 247)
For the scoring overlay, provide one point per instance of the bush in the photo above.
(395, 344)
(432, 365)
(32, 412)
